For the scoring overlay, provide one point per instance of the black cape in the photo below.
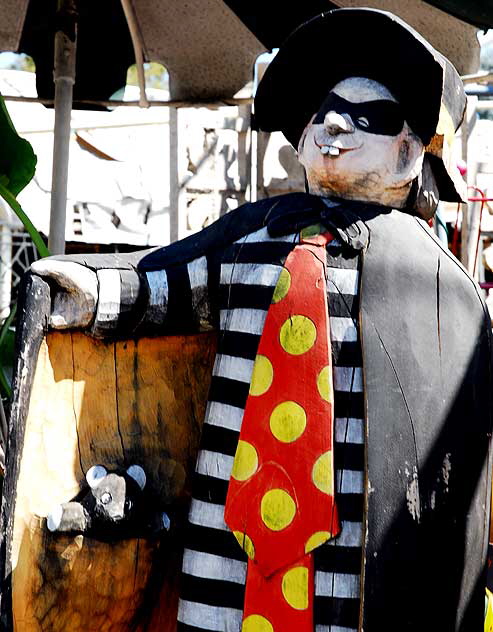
(426, 340)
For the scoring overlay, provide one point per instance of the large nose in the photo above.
(336, 123)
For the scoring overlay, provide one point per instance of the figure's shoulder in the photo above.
(238, 223)
(406, 244)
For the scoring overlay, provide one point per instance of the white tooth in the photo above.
(334, 151)
(324, 150)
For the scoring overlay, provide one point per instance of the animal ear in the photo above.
(95, 475)
(165, 521)
(138, 474)
(54, 518)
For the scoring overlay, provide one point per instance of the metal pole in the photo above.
(474, 228)
(176, 103)
(64, 78)
(177, 199)
(137, 44)
(174, 178)
(473, 208)
(464, 240)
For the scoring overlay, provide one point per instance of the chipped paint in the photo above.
(366, 534)
(441, 485)
(412, 494)
(433, 499)
(58, 321)
(446, 469)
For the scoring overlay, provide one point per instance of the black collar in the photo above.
(345, 219)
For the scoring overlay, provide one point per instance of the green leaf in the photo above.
(17, 166)
(17, 158)
(7, 352)
(28, 225)
(5, 386)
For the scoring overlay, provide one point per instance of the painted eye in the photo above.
(363, 121)
(106, 498)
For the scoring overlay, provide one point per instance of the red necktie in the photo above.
(280, 502)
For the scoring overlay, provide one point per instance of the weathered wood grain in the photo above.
(153, 392)
(76, 583)
(94, 378)
(119, 403)
(75, 306)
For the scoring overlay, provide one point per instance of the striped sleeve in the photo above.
(172, 300)
(186, 298)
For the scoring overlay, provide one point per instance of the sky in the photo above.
(485, 38)
(7, 59)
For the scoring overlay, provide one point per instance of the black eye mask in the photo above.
(375, 117)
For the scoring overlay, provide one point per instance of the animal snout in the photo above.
(116, 513)
(336, 123)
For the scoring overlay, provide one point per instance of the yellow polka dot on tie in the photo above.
(282, 287)
(277, 509)
(322, 473)
(312, 231)
(287, 422)
(297, 334)
(316, 539)
(256, 623)
(246, 461)
(295, 587)
(324, 384)
(262, 375)
(246, 543)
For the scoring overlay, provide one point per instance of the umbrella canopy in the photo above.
(477, 12)
(209, 46)
(104, 47)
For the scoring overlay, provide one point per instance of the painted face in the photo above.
(358, 145)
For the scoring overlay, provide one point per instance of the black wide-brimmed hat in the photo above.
(378, 45)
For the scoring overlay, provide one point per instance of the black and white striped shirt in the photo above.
(214, 566)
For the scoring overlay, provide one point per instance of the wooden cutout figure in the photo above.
(114, 506)
(373, 112)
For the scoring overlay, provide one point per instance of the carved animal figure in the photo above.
(116, 505)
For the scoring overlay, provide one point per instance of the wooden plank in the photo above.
(161, 431)
(50, 470)
(97, 419)
(161, 395)
(79, 584)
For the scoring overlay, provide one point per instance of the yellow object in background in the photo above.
(488, 614)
